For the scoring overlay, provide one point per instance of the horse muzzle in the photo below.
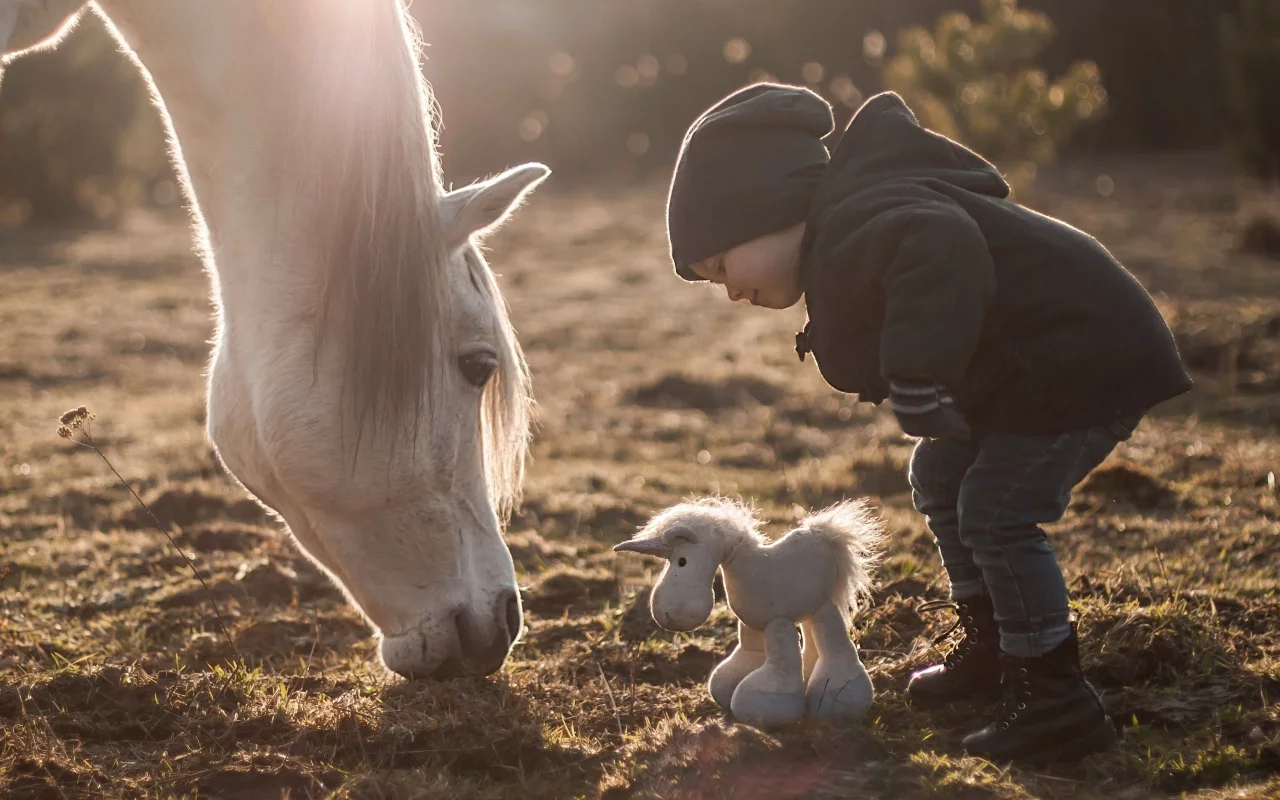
(464, 642)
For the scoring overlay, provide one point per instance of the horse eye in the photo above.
(682, 561)
(477, 368)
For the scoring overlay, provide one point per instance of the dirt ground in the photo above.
(114, 683)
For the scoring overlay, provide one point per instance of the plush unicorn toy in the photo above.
(811, 577)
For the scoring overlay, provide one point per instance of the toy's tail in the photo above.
(855, 535)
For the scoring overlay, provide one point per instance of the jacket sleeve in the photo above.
(939, 281)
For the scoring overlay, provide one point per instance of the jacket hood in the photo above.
(884, 141)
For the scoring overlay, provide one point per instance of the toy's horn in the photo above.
(645, 547)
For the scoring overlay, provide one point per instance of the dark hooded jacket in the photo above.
(917, 267)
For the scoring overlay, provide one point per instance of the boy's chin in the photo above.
(778, 303)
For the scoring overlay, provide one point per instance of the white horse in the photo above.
(365, 382)
(810, 577)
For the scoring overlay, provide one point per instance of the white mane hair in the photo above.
(370, 164)
(735, 521)
(856, 536)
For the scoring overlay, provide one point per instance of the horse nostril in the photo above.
(465, 636)
(511, 609)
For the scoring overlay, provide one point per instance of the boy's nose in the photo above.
(735, 294)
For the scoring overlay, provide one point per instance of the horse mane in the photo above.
(855, 536)
(506, 407)
(371, 174)
(735, 520)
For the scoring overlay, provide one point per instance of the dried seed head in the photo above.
(74, 420)
(74, 415)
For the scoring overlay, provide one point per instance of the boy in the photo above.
(1015, 346)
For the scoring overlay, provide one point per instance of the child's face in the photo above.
(763, 271)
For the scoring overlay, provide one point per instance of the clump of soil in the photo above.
(184, 505)
(275, 638)
(793, 443)
(531, 552)
(221, 535)
(570, 588)
(1153, 646)
(267, 582)
(677, 391)
(1130, 484)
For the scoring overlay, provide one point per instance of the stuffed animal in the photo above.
(810, 577)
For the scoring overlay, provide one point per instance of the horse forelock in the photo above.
(506, 406)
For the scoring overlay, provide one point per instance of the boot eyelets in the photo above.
(1004, 726)
(1022, 706)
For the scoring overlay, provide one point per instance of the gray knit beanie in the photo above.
(748, 167)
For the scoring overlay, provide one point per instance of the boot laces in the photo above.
(1020, 692)
(964, 620)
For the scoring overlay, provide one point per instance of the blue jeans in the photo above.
(985, 501)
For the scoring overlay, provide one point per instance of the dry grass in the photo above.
(115, 683)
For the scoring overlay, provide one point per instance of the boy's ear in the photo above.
(482, 207)
(27, 25)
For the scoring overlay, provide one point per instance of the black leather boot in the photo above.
(1049, 712)
(970, 671)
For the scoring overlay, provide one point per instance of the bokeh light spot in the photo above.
(627, 76)
(638, 143)
(874, 46)
(648, 68)
(532, 126)
(562, 64)
(843, 89)
(736, 51)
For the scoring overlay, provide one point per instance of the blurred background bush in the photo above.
(602, 90)
(981, 83)
(1251, 44)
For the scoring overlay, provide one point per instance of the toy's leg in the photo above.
(774, 693)
(745, 659)
(839, 690)
(810, 652)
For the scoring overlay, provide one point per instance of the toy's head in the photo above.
(693, 538)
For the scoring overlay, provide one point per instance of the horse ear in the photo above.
(482, 207)
(27, 25)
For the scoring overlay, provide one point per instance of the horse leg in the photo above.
(746, 658)
(774, 693)
(810, 651)
(839, 690)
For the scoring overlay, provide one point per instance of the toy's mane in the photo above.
(737, 521)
